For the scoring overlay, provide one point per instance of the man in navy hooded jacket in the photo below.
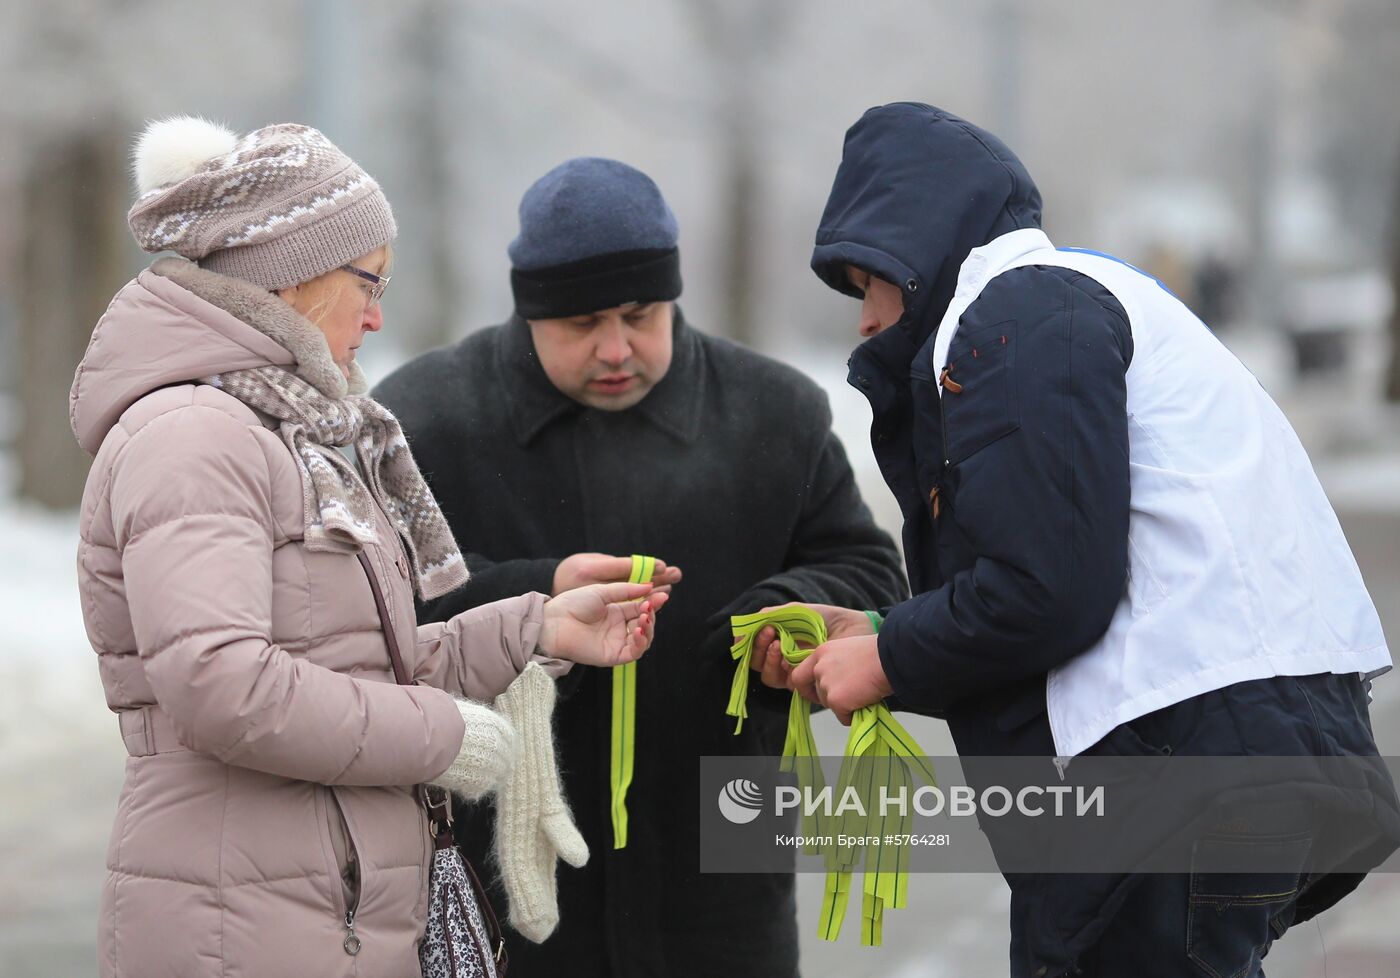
(1116, 545)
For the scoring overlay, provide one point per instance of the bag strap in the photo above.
(493, 926)
(395, 658)
(436, 802)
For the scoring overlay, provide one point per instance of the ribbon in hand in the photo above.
(879, 752)
(624, 721)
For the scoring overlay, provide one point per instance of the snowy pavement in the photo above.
(61, 759)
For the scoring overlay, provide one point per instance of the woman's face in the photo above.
(339, 304)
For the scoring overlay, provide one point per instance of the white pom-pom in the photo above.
(172, 149)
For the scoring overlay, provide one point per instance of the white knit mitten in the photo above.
(487, 752)
(534, 826)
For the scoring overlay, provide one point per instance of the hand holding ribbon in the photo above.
(767, 658)
(843, 673)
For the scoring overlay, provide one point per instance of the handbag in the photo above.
(463, 939)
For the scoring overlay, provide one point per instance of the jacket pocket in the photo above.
(979, 400)
(1232, 918)
(346, 859)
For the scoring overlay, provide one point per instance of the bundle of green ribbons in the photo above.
(879, 752)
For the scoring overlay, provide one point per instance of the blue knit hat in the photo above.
(594, 234)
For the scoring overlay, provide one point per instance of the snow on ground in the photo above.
(39, 584)
(47, 668)
(60, 756)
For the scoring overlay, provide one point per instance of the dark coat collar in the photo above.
(674, 406)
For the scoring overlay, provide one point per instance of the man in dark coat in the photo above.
(1116, 545)
(597, 423)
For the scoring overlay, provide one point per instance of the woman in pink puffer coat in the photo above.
(267, 825)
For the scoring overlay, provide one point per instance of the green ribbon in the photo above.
(624, 720)
(795, 624)
(879, 752)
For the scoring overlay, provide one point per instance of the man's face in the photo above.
(883, 305)
(609, 359)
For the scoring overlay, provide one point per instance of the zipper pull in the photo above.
(352, 940)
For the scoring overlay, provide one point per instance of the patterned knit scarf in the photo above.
(339, 505)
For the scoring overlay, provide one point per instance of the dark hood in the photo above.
(918, 188)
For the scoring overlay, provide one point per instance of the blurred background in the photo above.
(1246, 153)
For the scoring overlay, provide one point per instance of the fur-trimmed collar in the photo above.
(270, 315)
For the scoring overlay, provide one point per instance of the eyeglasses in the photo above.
(377, 283)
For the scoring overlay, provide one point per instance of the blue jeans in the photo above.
(1213, 925)
(1219, 914)
(1210, 922)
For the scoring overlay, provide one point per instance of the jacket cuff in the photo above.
(535, 616)
(557, 668)
(909, 693)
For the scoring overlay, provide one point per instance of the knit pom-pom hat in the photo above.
(277, 207)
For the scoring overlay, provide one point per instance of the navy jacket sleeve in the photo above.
(1041, 512)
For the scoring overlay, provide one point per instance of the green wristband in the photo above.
(876, 620)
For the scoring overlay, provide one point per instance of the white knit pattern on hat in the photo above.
(487, 752)
(534, 827)
(281, 207)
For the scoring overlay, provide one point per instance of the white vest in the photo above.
(1237, 566)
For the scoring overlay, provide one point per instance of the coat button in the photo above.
(1041, 971)
(402, 565)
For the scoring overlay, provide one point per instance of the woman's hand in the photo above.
(767, 659)
(602, 624)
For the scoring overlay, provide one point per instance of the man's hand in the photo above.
(767, 659)
(601, 625)
(581, 570)
(843, 675)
